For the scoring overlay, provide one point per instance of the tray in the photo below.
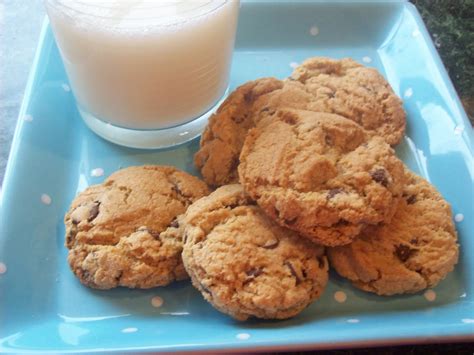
(44, 308)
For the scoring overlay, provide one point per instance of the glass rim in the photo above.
(64, 8)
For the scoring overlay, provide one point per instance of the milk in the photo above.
(145, 64)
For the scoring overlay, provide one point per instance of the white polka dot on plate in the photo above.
(293, 65)
(353, 321)
(27, 118)
(184, 133)
(366, 59)
(458, 130)
(46, 199)
(408, 93)
(129, 330)
(467, 321)
(3, 268)
(97, 172)
(314, 31)
(157, 301)
(459, 217)
(415, 33)
(430, 295)
(340, 296)
(66, 87)
(243, 336)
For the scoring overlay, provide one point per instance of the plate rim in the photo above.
(468, 139)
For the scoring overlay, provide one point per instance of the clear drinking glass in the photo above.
(146, 74)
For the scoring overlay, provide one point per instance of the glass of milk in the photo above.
(146, 74)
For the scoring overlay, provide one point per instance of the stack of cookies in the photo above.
(304, 171)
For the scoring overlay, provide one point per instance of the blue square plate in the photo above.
(44, 308)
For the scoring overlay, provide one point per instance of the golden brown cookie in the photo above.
(343, 87)
(416, 250)
(354, 91)
(246, 265)
(321, 175)
(222, 140)
(124, 232)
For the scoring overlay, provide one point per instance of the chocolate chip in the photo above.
(180, 194)
(276, 211)
(119, 276)
(303, 272)
(233, 205)
(380, 176)
(237, 119)
(341, 223)
(69, 238)
(268, 109)
(153, 233)
(291, 221)
(254, 272)
(185, 238)
(205, 289)
(321, 262)
(403, 252)
(328, 139)
(234, 163)
(289, 118)
(293, 272)
(414, 241)
(271, 244)
(248, 97)
(411, 199)
(174, 223)
(176, 189)
(333, 192)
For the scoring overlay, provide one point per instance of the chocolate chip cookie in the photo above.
(246, 265)
(321, 175)
(222, 140)
(124, 232)
(351, 90)
(342, 87)
(416, 250)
